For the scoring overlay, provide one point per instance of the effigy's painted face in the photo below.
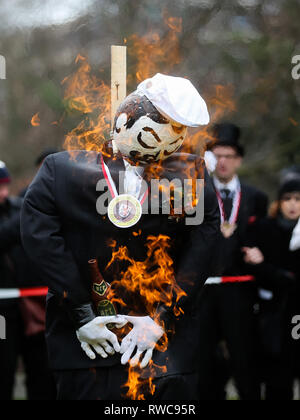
(143, 134)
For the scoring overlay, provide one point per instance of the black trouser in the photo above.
(108, 384)
(226, 312)
(279, 380)
(40, 384)
(9, 351)
(278, 349)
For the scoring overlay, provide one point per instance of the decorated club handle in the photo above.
(100, 289)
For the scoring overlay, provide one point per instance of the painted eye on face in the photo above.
(154, 134)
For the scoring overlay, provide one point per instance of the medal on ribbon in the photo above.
(125, 210)
(228, 227)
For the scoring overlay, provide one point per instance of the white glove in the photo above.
(96, 335)
(144, 336)
(210, 161)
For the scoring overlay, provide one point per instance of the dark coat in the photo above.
(279, 273)
(9, 238)
(17, 271)
(281, 268)
(229, 257)
(61, 231)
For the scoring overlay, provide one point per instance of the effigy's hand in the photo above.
(95, 337)
(143, 338)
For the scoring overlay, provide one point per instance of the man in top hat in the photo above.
(64, 226)
(228, 308)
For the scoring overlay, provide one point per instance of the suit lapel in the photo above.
(115, 166)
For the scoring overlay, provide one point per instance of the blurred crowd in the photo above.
(245, 319)
(25, 318)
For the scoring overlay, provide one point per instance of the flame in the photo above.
(153, 53)
(220, 103)
(90, 96)
(35, 120)
(151, 282)
(137, 386)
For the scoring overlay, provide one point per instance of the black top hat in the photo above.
(227, 134)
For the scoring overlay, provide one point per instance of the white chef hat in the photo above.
(176, 98)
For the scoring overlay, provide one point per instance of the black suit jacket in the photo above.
(62, 230)
(280, 270)
(229, 257)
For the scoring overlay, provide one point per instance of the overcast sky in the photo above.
(34, 13)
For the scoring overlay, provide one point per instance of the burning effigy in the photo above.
(109, 231)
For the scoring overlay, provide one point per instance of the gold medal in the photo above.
(228, 229)
(125, 211)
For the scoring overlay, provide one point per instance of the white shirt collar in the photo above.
(295, 241)
(233, 185)
(138, 170)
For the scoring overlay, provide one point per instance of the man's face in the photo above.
(4, 193)
(228, 162)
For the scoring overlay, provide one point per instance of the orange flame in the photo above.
(86, 94)
(147, 284)
(220, 103)
(153, 53)
(138, 387)
(35, 120)
(152, 280)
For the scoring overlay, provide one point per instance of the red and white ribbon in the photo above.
(228, 279)
(111, 185)
(235, 207)
(22, 293)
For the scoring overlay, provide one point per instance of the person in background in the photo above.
(227, 310)
(25, 319)
(274, 258)
(9, 211)
(38, 163)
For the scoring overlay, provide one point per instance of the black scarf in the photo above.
(286, 224)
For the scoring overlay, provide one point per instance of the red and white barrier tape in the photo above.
(22, 293)
(42, 291)
(233, 279)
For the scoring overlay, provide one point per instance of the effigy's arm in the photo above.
(44, 243)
